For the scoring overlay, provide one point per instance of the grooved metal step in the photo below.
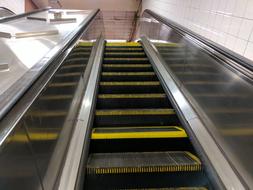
(142, 162)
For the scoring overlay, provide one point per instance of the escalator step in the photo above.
(138, 132)
(117, 101)
(142, 162)
(124, 54)
(139, 83)
(128, 76)
(123, 96)
(129, 112)
(125, 60)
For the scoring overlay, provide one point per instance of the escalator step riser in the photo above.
(140, 145)
(144, 180)
(127, 69)
(128, 76)
(107, 103)
(137, 120)
(130, 89)
(124, 55)
(126, 61)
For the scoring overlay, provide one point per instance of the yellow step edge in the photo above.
(63, 84)
(178, 133)
(124, 53)
(145, 83)
(132, 49)
(123, 44)
(128, 73)
(125, 59)
(115, 96)
(127, 65)
(126, 112)
(56, 97)
(69, 74)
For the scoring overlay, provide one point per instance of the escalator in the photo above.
(137, 140)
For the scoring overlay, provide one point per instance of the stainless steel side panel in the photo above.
(225, 172)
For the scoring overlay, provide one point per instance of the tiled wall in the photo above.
(17, 6)
(227, 22)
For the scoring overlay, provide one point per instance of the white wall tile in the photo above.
(249, 51)
(240, 8)
(245, 29)
(227, 22)
(234, 26)
(249, 10)
(240, 46)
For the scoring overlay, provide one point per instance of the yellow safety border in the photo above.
(123, 44)
(180, 133)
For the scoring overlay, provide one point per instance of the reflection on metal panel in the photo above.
(117, 25)
(222, 98)
(18, 167)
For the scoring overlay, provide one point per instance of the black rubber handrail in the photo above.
(243, 61)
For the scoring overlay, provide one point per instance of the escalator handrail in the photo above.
(9, 98)
(243, 61)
